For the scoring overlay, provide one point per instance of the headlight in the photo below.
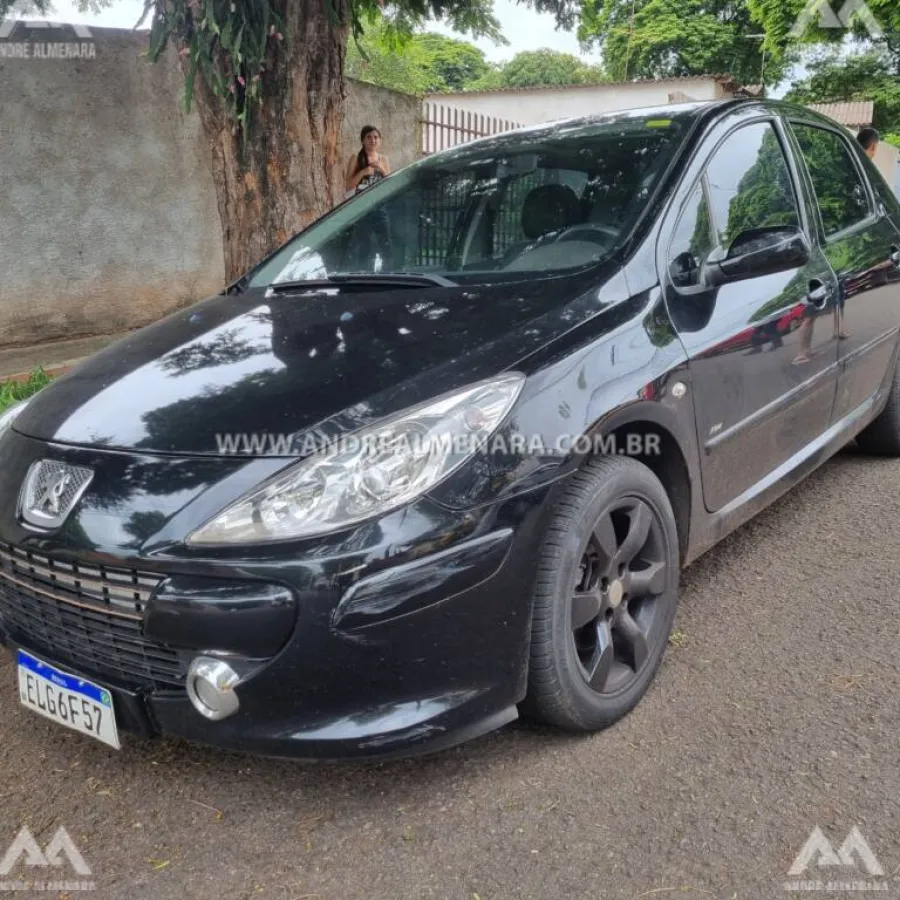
(370, 472)
(8, 416)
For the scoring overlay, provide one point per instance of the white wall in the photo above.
(887, 158)
(533, 106)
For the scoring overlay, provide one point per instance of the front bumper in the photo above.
(404, 636)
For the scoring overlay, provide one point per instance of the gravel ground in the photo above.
(775, 710)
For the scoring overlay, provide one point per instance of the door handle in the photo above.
(819, 294)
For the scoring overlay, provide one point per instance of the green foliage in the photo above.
(540, 68)
(865, 76)
(701, 240)
(431, 63)
(893, 139)
(828, 169)
(456, 63)
(670, 38)
(418, 64)
(779, 18)
(12, 392)
(492, 80)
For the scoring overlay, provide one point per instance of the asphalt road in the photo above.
(776, 711)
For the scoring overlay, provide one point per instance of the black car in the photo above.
(439, 460)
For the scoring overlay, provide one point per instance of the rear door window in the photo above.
(840, 191)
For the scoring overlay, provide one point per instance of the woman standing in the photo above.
(369, 165)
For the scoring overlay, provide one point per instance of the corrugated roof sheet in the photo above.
(726, 80)
(856, 113)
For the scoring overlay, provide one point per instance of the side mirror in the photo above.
(761, 251)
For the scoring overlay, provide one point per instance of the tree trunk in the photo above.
(288, 173)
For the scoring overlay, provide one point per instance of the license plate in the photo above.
(67, 700)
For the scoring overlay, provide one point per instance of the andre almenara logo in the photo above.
(22, 38)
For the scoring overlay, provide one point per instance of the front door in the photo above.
(763, 368)
(862, 246)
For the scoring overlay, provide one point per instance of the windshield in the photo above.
(545, 200)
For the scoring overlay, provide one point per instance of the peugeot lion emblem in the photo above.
(50, 492)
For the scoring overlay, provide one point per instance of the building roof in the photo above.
(725, 80)
(856, 114)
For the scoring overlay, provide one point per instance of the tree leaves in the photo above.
(537, 68)
(865, 76)
(432, 63)
(778, 18)
(671, 38)
(418, 64)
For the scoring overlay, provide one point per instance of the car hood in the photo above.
(261, 364)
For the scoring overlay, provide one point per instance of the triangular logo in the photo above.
(60, 845)
(814, 8)
(24, 845)
(823, 12)
(820, 849)
(861, 8)
(856, 842)
(63, 844)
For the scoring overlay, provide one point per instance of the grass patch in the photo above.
(12, 392)
(678, 639)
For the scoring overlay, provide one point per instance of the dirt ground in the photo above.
(776, 710)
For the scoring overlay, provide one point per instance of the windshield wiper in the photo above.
(374, 279)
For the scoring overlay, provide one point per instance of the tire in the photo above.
(612, 496)
(881, 437)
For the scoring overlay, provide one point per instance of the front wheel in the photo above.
(605, 597)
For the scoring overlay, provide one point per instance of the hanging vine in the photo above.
(231, 44)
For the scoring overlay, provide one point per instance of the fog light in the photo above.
(210, 686)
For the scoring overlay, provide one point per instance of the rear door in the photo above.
(863, 248)
(763, 370)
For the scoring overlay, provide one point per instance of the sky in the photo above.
(524, 28)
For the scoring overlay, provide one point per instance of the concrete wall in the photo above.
(108, 214)
(536, 105)
(396, 116)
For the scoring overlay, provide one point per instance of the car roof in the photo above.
(688, 113)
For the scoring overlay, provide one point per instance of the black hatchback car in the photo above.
(439, 460)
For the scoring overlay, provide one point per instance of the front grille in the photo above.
(88, 616)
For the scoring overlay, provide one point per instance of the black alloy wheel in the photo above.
(605, 596)
(621, 580)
